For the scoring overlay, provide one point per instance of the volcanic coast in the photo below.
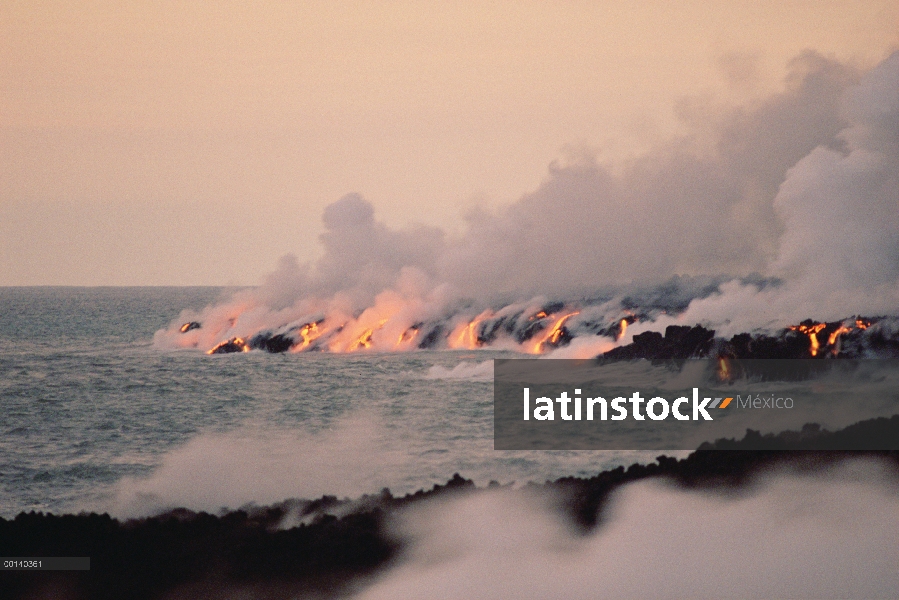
(329, 547)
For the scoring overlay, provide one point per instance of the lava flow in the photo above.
(812, 332)
(467, 336)
(394, 323)
(724, 371)
(622, 329)
(233, 345)
(552, 335)
(309, 332)
(362, 341)
(407, 337)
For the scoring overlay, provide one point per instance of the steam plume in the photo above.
(792, 537)
(788, 207)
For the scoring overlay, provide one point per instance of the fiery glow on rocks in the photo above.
(309, 332)
(724, 371)
(553, 334)
(407, 337)
(812, 332)
(364, 340)
(622, 329)
(466, 336)
(408, 321)
(189, 326)
(832, 339)
(233, 345)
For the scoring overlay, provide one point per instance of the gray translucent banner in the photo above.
(679, 404)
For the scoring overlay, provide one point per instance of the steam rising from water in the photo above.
(839, 252)
(214, 471)
(789, 537)
(800, 187)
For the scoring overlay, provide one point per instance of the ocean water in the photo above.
(95, 418)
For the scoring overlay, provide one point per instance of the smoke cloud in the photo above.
(790, 536)
(838, 254)
(701, 204)
(228, 470)
(797, 192)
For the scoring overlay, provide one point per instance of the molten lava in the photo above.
(812, 332)
(407, 336)
(233, 345)
(622, 329)
(467, 337)
(553, 334)
(364, 340)
(836, 334)
(724, 373)
(309, 332)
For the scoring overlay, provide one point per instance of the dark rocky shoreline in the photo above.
(869, 338)
(340, 543)
(854, 337)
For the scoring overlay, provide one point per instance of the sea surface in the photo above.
(93, 417)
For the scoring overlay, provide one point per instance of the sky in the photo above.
(174, 143)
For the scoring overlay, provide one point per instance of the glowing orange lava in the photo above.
(406, 336)
(467, 337)
(364, 340)
(812, 332)
(310, 332)
(553, 334)
(622, 329)
(233, 345)
(836, 334)
(723, 369)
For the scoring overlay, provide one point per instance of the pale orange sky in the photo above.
(194, 143)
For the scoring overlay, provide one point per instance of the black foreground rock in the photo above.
(258, 552)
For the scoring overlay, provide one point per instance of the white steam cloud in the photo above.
(228, 470)
(800, 188)
(839, 252)
(789, 537)
(702, 204)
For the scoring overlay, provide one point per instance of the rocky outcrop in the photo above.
(678, 342)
